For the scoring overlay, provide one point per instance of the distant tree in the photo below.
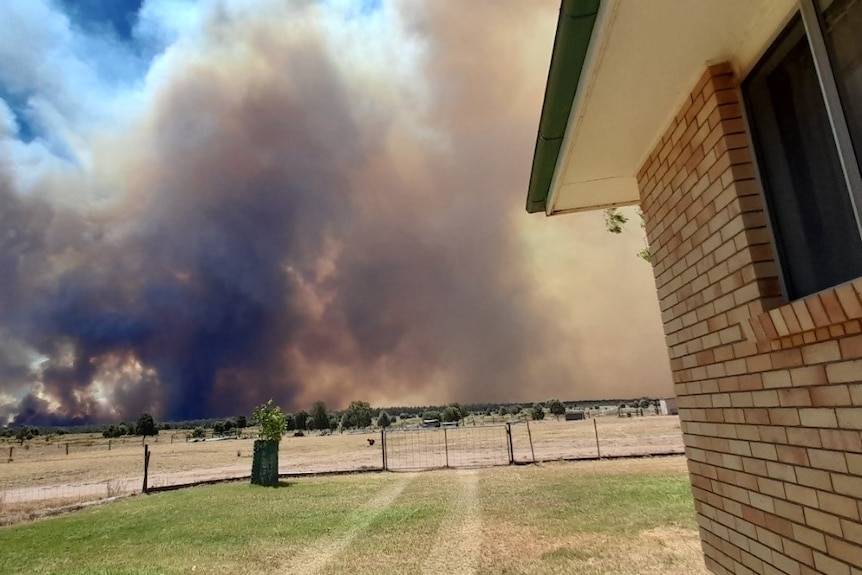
(360, 414)
(537, 412)
(556, 407)
(218, 428)
(301, 418)
(404, 415)
(345, 421)
(431, 414)
(228, 425)
(333, 422)
(644, 403)
(502, 410)
(309, 424)
(199, 432)
(146, 425)
(384, 421)
(452, 413)
(514, 409)
(289, 422)
(241, 422)
(319, 415)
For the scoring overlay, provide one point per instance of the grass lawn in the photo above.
(598, 517)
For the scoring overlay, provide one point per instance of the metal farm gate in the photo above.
(432, 448)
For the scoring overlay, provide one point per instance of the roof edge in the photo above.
(575, 26)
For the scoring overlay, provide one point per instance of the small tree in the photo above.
(537, 412)
(240, 422)
(270, 421)
(514, 409)
(360, 414)
(24, 433)
(384, 421)
(451, 413)
(319, 415)
(556, 407)
(301, 418)
(199, 432)
(146, 425)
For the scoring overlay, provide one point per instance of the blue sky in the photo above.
(98, 15)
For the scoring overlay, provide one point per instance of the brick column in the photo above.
(769, 391)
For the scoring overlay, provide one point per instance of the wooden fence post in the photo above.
(598, 449)
(146, 465)
(530, 437)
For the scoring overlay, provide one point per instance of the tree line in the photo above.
(358, 415)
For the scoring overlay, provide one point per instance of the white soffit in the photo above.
(645, 58)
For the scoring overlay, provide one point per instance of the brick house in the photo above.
(736, 125)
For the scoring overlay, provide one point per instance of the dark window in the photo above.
(842, 32)
(813, 220)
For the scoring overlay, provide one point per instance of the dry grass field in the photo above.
(592, 517)
(42, 475)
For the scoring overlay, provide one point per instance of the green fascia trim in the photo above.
(574, 30)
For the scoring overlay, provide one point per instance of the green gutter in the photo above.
(574, 29)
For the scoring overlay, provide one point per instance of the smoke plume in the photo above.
(221, 202)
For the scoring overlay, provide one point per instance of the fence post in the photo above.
(446, 444)
(67, 449)
(109, 445)
(598, 449)
(383, 446)
(530, 437)
(11, 448)
(509, 440)
(146, 465)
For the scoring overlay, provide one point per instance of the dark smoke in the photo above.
(282, 228)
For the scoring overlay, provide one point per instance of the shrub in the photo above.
(319, 415)
(301, 419)
(451, 413)
(537, 412)
(270, 421)
(384, 421)
(556, 407)
(146, 425)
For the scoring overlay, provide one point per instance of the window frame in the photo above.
(812, 23)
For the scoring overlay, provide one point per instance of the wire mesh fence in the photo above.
(51, 473)
(430, 448)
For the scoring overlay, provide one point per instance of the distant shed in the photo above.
(574, 415)
(668, 406)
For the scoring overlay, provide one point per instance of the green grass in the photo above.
(560, 518)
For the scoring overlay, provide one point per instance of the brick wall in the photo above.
(769, 392)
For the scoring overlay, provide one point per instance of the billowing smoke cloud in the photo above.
(233, 200)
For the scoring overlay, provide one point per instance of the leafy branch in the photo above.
(615, 222)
